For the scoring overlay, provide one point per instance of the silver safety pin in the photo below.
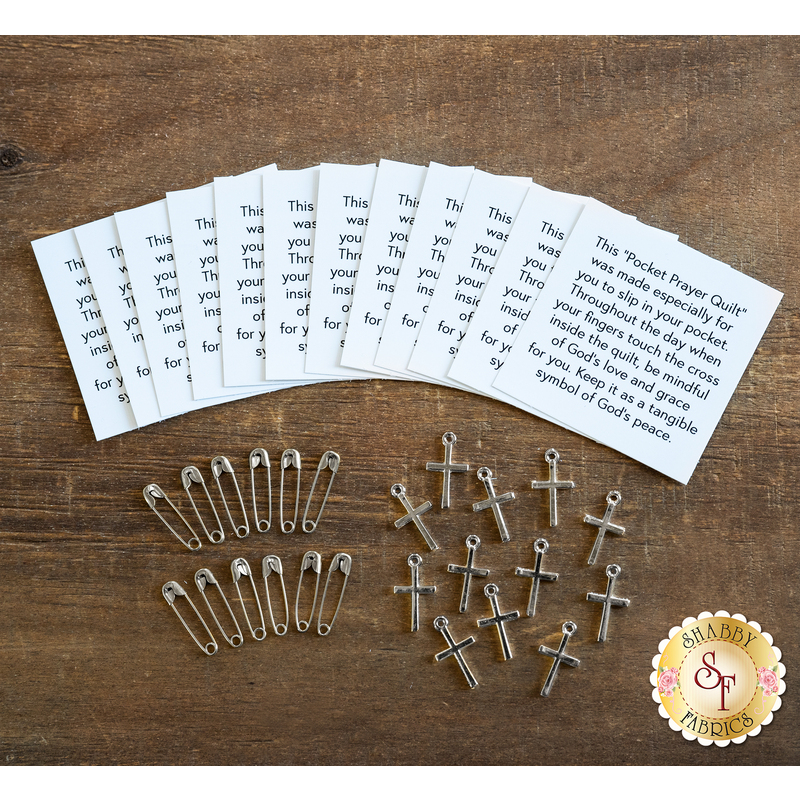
(173, 590)
(311, 560)
(240, 567)
(342, 562)
(271, 564)
(260, 458)
(190, 475)
(290, 458)
(153, 492)
(220, 464)
(331, 461)
(203, 578)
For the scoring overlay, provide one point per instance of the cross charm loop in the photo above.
(491, 591)
(415, 590)
(558, 656)
(613, 571)
(447, 466)
(494, 501)
(541, 546)
(613, 498)
(473, 543)
(552, 457)
(399, 491)
(441, 623)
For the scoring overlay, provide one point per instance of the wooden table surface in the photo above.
(697, 136)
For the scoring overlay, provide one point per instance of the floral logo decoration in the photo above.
(768, 680)
(668, 681)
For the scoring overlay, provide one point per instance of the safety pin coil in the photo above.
(204, 578)
(220, 464)
(239, 568)
(190, 475)
(271, 564)
(153, 492)
(343, 563)
(173, 590)
(290, 458)
(311, 560)
(331, 461)
(260, 458)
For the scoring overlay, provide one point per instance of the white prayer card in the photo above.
(105, 262)
(439, 206)
(290, 202)
(84, 331)
(394, 204)
(343, 203)
(240, 248)
(490, 208)
(194, 242)
(639, 338)
(145, 236)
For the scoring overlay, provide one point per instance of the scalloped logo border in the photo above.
(688, 735)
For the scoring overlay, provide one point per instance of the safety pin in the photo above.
(153, 492)
(260, 458)
(269, 565)
(239, 567)
(290, 458)
(204, 578)
(220, 464)
(190, 475)
(331, 461)
(342, 562)
(311, 560)
(171, 591)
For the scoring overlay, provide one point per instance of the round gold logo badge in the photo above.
(718, 678)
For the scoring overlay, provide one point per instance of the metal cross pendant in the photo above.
(498, 619)
(613, 571)
(613, 498)
(493, 501)
(399, 491)
(559, 657)
(447, 466)
(541, 546)
(415, 590)
(473, 543)
(552, 457)
(441, 623)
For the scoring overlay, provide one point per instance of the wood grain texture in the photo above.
(697, 136)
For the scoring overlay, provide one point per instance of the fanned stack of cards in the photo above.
(554, 303)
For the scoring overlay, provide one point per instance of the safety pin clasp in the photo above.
(240, 568)
(190, 475)
(204, 578)
(271, 564)
(260, 458)
(311, 560)
(343, 563)
(219, 465)
(172, 590)
(290, 458)
(153, 492)
(331, 461)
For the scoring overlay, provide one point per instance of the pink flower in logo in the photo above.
(667, 681)
(768, 681)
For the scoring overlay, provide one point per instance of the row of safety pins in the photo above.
(240, 569)
(220, 465)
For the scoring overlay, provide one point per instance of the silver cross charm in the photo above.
(541, 546)
(441, 623)
(415, 590)
(447, 466)
(399, 491)
(559, 656)
(552, 457)
(613, 498)
(493, 501)
(498, 619)
(613, 571)
(473, 543)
